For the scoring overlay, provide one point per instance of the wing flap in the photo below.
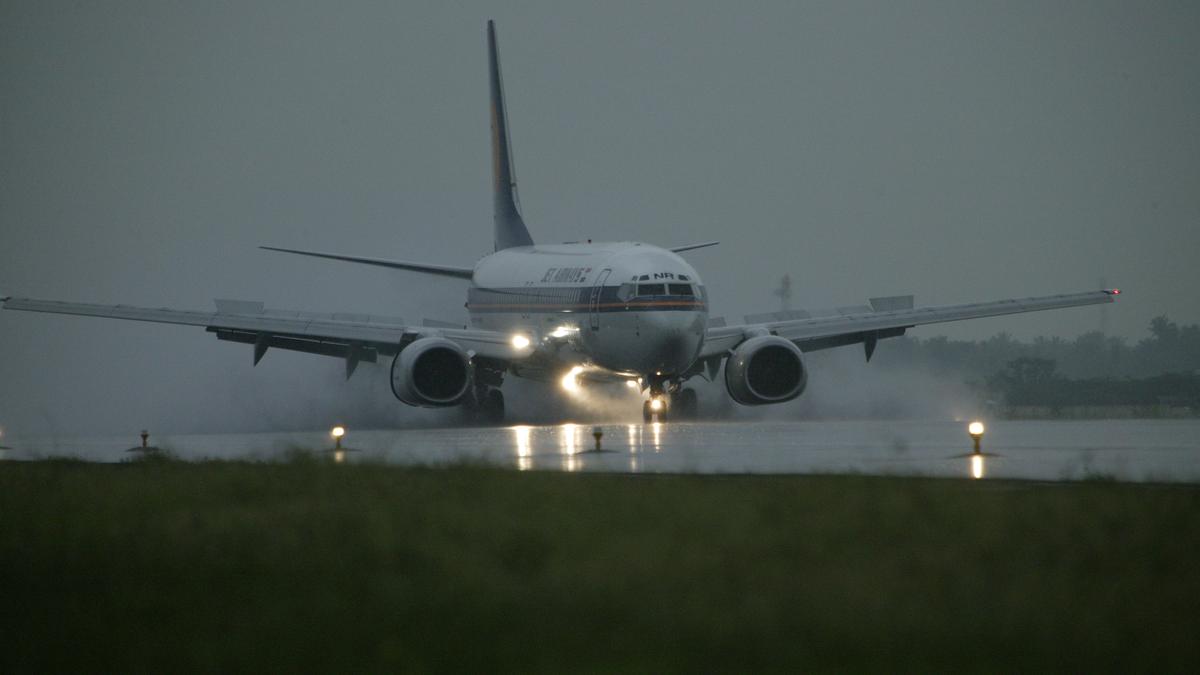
(842, 327)
(325, 334)
(822, 327)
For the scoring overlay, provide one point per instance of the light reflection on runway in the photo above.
(977, 466)
(1159, 450)
(524, 453)
(893, 448)
(569, 434)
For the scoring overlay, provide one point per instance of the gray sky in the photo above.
(958, 151)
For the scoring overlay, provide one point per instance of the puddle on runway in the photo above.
(1130, 450)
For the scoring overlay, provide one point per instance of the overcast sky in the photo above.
(957, 151)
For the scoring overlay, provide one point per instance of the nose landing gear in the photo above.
(677, 402)
(655, 408)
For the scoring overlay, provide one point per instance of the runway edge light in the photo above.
(976, 429)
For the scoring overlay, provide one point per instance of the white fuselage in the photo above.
(625, 307)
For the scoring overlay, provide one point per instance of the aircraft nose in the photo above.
(673, 339)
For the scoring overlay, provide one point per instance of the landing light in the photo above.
(520, 341)
(656, 404)
(563, 331)
(337, 432)
(632, 384)
(570, 381)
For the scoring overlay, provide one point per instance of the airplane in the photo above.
(573, 313)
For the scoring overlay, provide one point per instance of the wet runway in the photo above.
(1129, 450)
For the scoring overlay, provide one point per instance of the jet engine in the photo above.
(431, 372)
(765, 369)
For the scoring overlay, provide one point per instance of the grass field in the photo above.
(168, 567)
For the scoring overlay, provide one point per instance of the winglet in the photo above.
(509, 227)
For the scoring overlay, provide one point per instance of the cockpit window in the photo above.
(651, 289)
(626, 291)
(680, 289)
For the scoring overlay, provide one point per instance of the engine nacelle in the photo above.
(431, 372)
(765, 369)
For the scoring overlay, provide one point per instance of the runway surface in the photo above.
(1127, 450)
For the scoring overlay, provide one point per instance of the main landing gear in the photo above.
(490, 407)
(684, 404)
(485, 405)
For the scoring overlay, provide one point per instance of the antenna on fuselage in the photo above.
(509, 227)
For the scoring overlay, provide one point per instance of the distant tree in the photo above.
(1028, 381)
(1164, 330)
(1169, 348)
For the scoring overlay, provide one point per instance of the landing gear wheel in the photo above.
(649, 413)
(684, 404)
(491, 407)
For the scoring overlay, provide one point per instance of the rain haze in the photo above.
(955, 151)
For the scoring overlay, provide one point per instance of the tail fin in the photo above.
(510, 228)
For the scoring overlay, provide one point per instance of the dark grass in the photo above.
(166, 566)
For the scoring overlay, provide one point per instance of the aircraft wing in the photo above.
(353, 337)
(882, 318)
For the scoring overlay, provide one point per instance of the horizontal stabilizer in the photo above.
(440, 270)
(692, 247)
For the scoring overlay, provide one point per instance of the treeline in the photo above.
(1169, 348)
(1034, 382)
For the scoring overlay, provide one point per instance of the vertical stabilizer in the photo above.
(510, 228)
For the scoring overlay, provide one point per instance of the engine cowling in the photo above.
(431, 372)
(765, 369)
